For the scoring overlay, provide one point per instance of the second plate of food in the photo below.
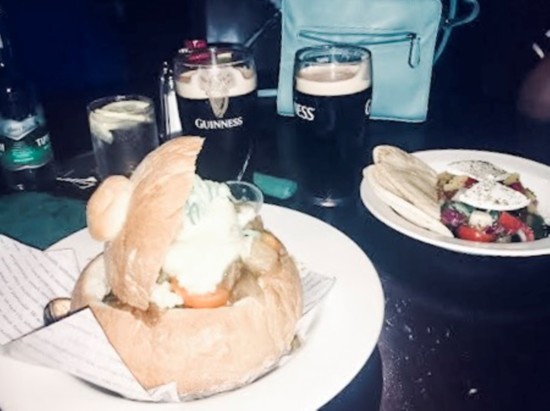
(535, 176)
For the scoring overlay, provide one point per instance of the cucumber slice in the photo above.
(537, 224)
(462, 208)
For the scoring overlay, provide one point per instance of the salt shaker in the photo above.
(170, 123)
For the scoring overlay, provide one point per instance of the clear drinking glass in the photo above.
(246, 193)
(216, 93)
(123, 130)
(332, 97)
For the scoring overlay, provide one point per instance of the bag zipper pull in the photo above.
(414, 51)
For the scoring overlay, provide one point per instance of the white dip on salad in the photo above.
(490, 195)
(477, 169)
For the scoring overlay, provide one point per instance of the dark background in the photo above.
(75, 51)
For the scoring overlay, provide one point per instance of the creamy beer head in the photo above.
(334, 79)
(212, 82)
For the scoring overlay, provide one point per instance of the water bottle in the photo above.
(26, 156)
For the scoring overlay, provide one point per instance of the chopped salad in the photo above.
(481, 202)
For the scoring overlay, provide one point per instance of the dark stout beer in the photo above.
(331, 103)
(218, 104)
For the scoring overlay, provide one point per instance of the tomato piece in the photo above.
(470, 182)
(509, 222)
(467, 232)
(515, 226)
(214, 299)
(517, 186)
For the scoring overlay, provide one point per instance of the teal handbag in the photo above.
(401, 35)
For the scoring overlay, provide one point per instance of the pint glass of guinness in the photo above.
(216, 93)
(332, 96)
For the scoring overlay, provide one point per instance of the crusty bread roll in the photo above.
(107, 208)
(159, 188)
(207, 350)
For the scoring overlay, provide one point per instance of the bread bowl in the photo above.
(149, 223)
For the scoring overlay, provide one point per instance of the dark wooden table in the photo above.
(461, 332)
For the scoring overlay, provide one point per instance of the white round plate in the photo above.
(533, 175)
(341, 340)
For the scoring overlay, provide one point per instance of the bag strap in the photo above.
(451, 21)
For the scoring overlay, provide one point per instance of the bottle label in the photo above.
(24, 144)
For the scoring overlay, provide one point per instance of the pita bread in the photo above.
(404, 208)
(407, 177)
(395, 157)
(417, 191)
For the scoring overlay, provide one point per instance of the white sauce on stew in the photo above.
(163, 296)
(212, 237)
